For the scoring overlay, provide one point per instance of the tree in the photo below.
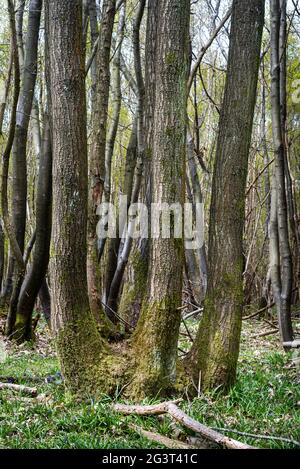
(215, 352)
(156, 336)
(78, 343)
(100, 97)
(36, 274)
(134, 287)
(19, 186)
(280, 251)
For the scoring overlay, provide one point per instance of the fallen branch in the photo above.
(293, 344)
(262, 310)
(19, 388)
(207, 432)
(193, 313)
(181, 417)
(257, 313)
(259, 437)
(156, 409)
(161, 439)
(266, 333)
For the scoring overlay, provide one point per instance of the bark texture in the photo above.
(38, 269)
(155, 341)
(215, 352)
(78, 343)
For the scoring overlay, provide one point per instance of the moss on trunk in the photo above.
(89, 367)
(154, 349)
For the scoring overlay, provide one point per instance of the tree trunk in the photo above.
(6, 88)
(45, 301)
(78, 342)
(2, 253)
(97, 150)
(282, 280)
(19, 184)
(156, 336)
(36, 274)
(215, 351)
(116, 280)
(134, 288)
(116, 101)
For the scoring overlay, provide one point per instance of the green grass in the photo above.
(265, 400)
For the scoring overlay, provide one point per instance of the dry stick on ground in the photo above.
(262, 310)
(19, 388)
(181, 417)
(156, 409)
(161, 439)
(266, 333)
(257, 313)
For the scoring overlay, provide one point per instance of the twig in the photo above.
(204, 48)
(20, 388)
(188, 331)
(199, 383)
(270, 323)
(117, 315)
(207, 432)
(260, 437)
(259, 175)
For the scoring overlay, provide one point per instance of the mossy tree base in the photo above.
(154, 350)
(88, 365)
(214, 355)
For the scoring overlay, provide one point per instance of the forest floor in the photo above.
(265, 400)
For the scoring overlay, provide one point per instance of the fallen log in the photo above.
(20, 388)
(181, 417)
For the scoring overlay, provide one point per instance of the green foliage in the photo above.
(265, 401)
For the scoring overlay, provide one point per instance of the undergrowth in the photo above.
(265, 400)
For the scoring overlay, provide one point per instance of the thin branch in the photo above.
(204, 49)
(258, 437)
(19, 388)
